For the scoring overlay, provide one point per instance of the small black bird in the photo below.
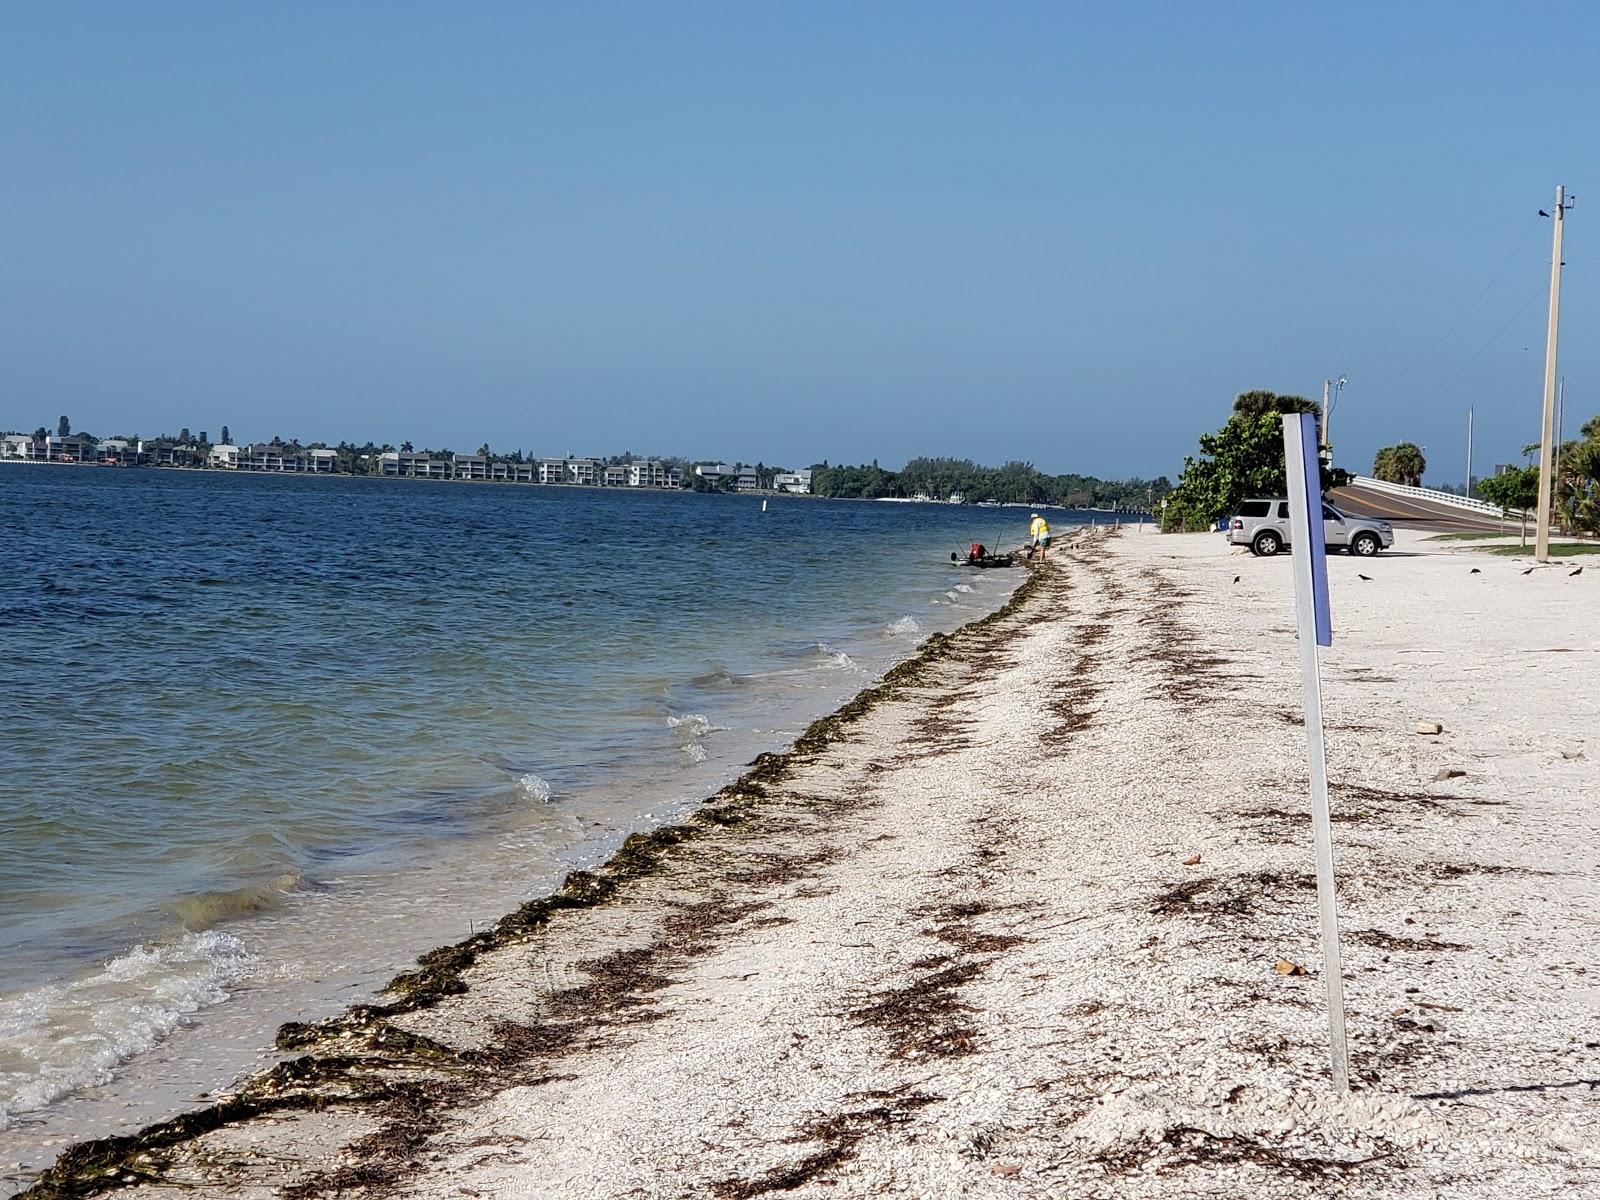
(1359, 575)
(1529, 571)
(1474, 571)
(1579, 571)
(1236, 579)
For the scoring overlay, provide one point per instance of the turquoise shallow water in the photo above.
(247, 714)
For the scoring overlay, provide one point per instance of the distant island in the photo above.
(940, 480)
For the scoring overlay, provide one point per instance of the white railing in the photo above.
(1422, 493)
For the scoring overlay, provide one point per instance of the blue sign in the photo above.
(1304, 468)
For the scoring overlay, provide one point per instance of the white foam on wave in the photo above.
(692, 724)
(61, 1037)
(963, 587)
(696, 752)
(906, 625)
(534, 787)
(836, 660)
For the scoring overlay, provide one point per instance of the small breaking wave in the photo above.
(533, 787)
(837, 660)
(905, 625)
(691, 727)
(692, 724)
(963, 587)
(61, 1037)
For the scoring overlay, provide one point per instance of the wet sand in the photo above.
(1009, 924)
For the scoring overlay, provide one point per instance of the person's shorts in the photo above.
(1042, 541)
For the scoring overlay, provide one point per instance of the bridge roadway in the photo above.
(1412, 511)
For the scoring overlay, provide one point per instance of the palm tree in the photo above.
(1402, 463)
(1260, 404)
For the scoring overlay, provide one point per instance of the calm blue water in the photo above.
(245, 715)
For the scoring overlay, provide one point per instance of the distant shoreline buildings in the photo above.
(290, 458)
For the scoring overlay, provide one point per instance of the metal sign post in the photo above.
(1316, 629)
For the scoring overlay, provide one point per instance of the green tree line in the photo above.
(1013, 483)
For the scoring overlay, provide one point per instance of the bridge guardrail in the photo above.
(1428, 494)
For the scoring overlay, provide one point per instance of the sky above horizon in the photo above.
(1061, 233)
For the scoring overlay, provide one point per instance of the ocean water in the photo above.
(266, 739)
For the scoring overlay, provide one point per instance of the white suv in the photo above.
(1263, 525)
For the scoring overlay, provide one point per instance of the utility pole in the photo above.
(1541, 538)
(1337, 386)
(1469, 452)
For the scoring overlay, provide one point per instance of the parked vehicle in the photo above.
(1263, 525)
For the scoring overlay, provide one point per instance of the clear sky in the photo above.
(1062, 232)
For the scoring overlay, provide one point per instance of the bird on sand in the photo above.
(1236, 578)
(1359, 575)
(1579, 571)
(1529, 571)
(1474, 571)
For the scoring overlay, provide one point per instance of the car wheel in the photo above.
(1267, 544)
(1365, 545)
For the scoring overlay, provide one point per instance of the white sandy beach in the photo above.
(955, 949)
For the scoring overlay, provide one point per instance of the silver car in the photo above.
(1263, 525)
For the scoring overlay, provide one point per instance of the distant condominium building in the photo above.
(616, 476)
(552, 470)
(405, 464)
(747, 480)
(584, 471)
(224, 456)
(16, 445)
(798, 482)
(322, 461)
(261, 456)
(716, 471)
(469, 466)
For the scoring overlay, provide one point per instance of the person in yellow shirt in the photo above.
(1038, 536)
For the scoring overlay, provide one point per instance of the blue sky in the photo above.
(1066, 233)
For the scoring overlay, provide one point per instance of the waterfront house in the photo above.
(747, 481)
(322, 461)
(716, 473)
(224, 456)
(552, 470)
(615, 476)
(672, 477)
(583, 470)
(16, 445)
(522, 472)
(470, 466)
(798, 482)
(644, 473)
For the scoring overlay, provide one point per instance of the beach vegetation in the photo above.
(1516, 490)
(1242, 459)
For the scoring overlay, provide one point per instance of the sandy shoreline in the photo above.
(950, 944)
